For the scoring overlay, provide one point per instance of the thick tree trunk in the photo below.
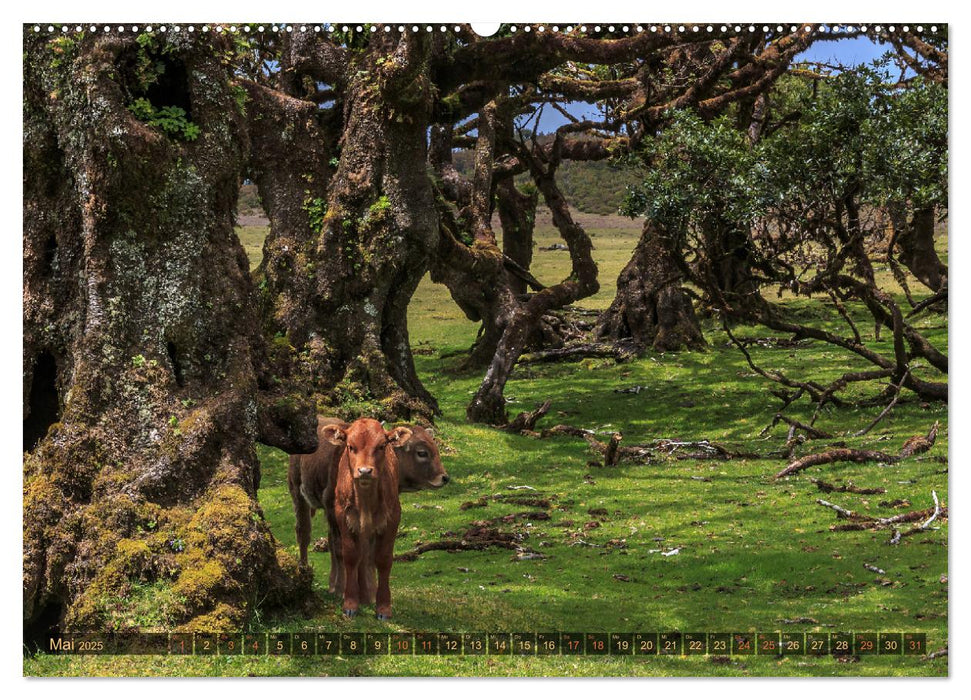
(650, 306)
(141, 350)
(349, 247)
(727, 263)
(917, 252)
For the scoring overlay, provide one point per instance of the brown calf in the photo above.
(368, 511)
(312, 478)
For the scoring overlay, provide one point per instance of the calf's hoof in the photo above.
(384, 616)
(349, 613)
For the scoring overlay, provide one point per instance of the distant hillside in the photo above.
(596, 187)
(593, 187)
(249, 201)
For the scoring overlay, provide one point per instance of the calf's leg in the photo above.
(336, 582)
(383, 556)
(366, 574)
(349, 547)
(303, 516)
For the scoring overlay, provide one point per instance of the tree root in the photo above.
(621, 351)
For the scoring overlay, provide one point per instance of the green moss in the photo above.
(382, 205)
(223, 618)
(107, 594)
(63, 48)
(199, 579)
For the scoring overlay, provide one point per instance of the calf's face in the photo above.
(366, 443)
(419, 462)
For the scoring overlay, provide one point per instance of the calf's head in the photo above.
(366, 442)
(419, 462)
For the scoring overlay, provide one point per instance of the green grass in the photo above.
(753, 551)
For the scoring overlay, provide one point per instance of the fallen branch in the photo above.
(896, 397)
(810, 431)
(846, 488)
(920, 443)
(837, 455)
(474, 539)
(840, 512)
(614, 453)
(865, 522)
(937, 512)
(709, 450)
(611, 456)
(566, 430)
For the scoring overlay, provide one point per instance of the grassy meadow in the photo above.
(682, 545)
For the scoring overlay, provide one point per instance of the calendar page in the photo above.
(513, 349)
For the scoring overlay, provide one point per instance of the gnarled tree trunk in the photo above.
(916, 241)
(142, 353)
(650, 306)
(489, 404)
(348, 248)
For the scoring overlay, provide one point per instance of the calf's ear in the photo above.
(399, 436)
(334, 434)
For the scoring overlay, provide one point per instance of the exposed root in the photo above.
(621, 351)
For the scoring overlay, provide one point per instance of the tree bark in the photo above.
(475, 274)
(916, 241)
(650, 306)
(142, 355)
(349, 247)
(489, 404)
(517, 214)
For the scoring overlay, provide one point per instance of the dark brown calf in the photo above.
(312, 478)
(368, 511)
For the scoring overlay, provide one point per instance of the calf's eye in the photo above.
(422, 454)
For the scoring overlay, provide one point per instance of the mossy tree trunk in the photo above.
(143, 361)
(650, 306)
(353, 224)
